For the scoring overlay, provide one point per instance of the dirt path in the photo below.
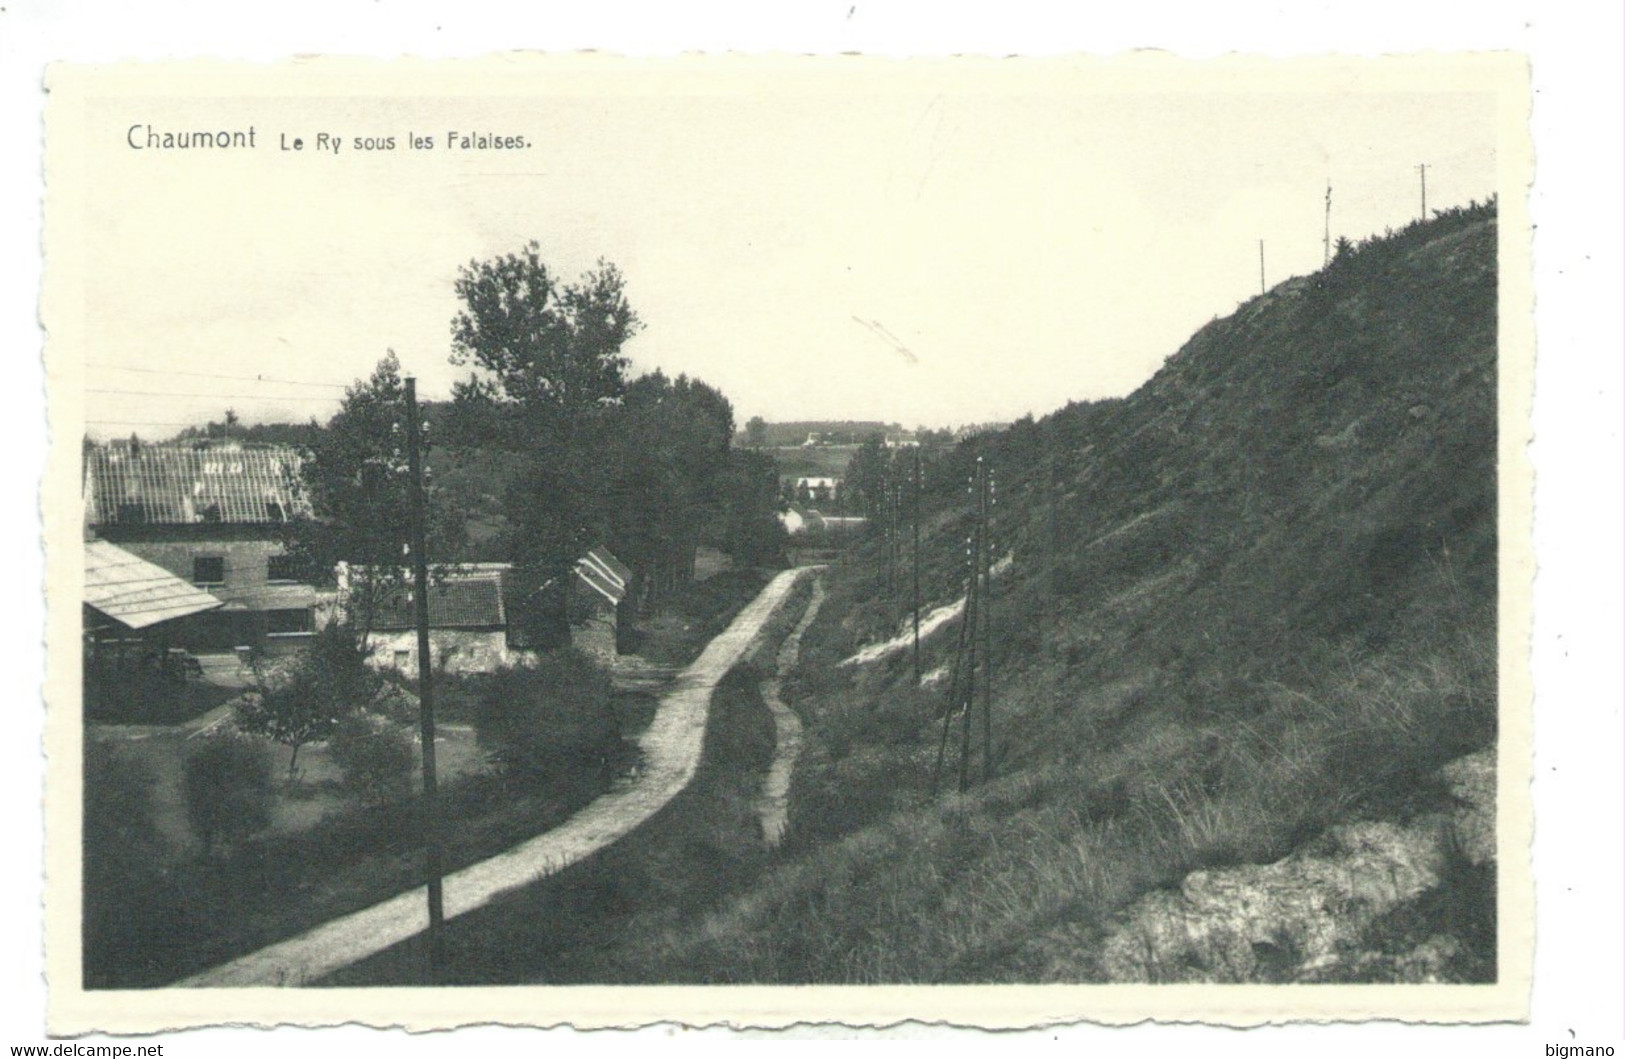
(773, 805)
(929, 623)
(671, 753)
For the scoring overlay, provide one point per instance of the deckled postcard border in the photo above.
(73, 1010)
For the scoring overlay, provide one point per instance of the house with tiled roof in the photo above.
(468, 621)
(469, 615)
(212, 515)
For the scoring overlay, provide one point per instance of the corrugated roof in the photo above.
(182, 484)
(458, 602)
(604, 573)
(135, 592)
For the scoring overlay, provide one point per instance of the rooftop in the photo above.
(184, 484)
(458, 601)
(137, 593)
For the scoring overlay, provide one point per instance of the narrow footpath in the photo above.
(773, 806)
(670, 755)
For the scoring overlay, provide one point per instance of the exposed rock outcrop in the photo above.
(1306, 916)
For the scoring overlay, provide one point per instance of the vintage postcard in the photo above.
(567, 539)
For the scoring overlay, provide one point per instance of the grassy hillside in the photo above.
(1251, 600)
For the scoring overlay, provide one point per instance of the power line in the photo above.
(212, 375)
(214, 396)
(139, 423)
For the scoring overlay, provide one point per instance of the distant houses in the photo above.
(808, 521)
(203, 520)
(816, 490)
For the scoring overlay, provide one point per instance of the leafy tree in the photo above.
(750, 529)
(670, 441)
(552, 350)
(355, 475)
(546, 370)
(304, 702)
(756, 432)
(868, 476)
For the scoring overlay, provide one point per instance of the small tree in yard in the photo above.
(228, 790)
(304, 704)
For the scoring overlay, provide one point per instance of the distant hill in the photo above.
(1253, 600)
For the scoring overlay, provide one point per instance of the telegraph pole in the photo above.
(916, 565)
(987, 623)
(1261, 266)
(1326, 240)
(973, 615)
(1052, 604)
(1423, 169)
(420, 584)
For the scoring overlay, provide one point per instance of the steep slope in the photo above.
(1251, 602)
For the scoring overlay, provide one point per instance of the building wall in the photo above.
(247, 590)
(463, 650)
(596, 637)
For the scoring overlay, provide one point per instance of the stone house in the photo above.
(468, 623)
(469, 616)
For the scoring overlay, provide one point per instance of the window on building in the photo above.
(208, 570)
(282, 568)
(288, 622)
(403, 659)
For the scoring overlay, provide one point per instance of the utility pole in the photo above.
(957, 676)
(1326, 240)
(1051, 600)
(1423, 169)
(1261, 266)
(987, 623)
(916, 566)
(973, 615)
(420, 584)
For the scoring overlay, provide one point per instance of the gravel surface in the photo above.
(773, 806)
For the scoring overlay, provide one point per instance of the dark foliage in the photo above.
(375, 755)
(228, 790)
(553, 719)
(126, 867)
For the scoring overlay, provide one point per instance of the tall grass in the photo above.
(1018, 880)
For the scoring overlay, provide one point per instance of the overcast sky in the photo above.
(1025, 240)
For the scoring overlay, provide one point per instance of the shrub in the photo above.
(127, 865)
(375, 756)
(228, 790)
(553, 719)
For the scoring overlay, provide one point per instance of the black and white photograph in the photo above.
(776, 524)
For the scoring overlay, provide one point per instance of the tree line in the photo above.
(579, 451)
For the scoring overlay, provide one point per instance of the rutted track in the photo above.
(773, 806)
(671, 754)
